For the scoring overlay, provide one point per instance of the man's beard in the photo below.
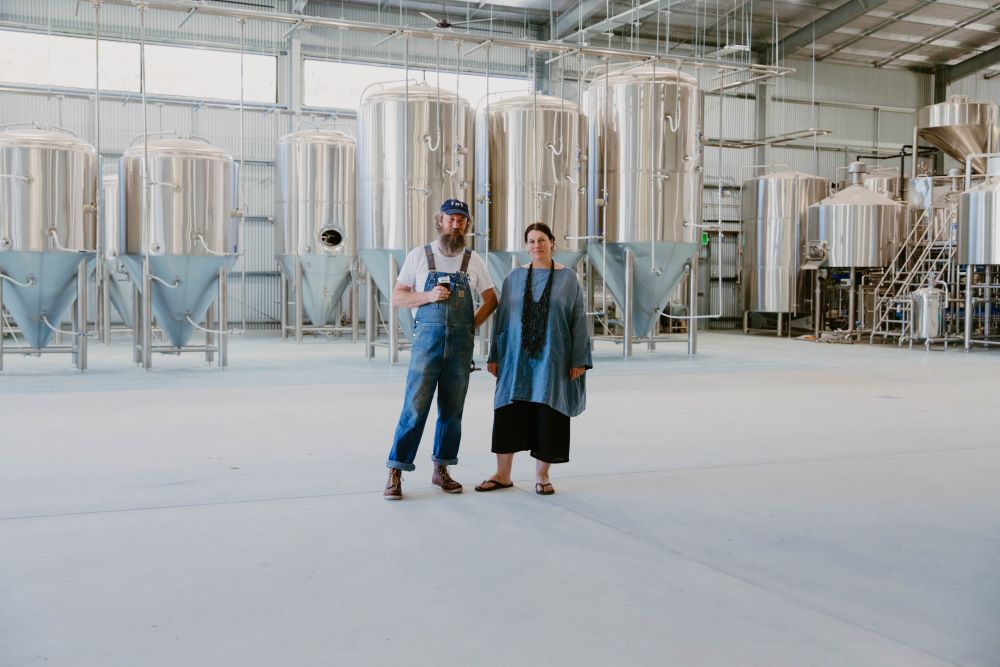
(452, 242)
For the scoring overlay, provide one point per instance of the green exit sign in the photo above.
(704, 238)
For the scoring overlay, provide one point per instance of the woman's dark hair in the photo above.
(539, 227)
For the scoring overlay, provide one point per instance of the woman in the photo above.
(539, 354)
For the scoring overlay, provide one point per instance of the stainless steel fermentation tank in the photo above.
(645, 184)
(960, 127)
(859, 231)
(179, 241)
(415, 149)
(979, 251)
(531, 154)
(775, 214)
(48, 235)
(315, 231)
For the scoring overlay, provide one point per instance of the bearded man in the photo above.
(438, 281)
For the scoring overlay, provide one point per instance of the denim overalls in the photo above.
(441, 359)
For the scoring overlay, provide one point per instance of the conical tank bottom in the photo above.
(52, 290)
(377, 263)
(958, 141)
(501, 262)
(119, 286)
(656, 272)
(324, 279)
(198, 275)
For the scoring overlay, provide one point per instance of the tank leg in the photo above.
(693, 307)
(987, 309)
(298, 301)
(628, 306)
(393, 315)
(355, 309)
(224, 317)
(210, 321)
(137, 317)
(371, 325)
(80, 342)
(284, 306)
(969, 270)
(780, 320)
(147, 320)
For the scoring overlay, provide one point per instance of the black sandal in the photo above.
(544, 488)
(493, 485)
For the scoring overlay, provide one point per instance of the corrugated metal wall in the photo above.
(842, 99)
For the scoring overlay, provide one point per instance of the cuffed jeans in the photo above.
(440, 360)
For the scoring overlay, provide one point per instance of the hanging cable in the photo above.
(240, 204)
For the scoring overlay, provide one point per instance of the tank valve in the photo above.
(4, 243)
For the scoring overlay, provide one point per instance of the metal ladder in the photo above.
(924, 258)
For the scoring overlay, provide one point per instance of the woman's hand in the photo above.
(492, 368)
(578, 372)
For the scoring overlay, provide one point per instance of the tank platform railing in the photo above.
(927, 253)
(78, 325)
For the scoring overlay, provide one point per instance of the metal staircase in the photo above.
(925, 259)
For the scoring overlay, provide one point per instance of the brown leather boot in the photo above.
(443, 479)
(394, 487)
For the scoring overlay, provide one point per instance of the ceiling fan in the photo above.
(445, 24)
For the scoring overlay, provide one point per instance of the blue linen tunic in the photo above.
(545, 378)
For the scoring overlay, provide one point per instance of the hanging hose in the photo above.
(45, 321)
(197, 326)
(30, 283)
(427, 137)
(53, 234)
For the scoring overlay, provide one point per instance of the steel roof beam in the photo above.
(951, 73)
(569, 20)
(824, 25)
(871, 31)
(944, 33)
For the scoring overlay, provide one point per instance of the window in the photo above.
(199, 73)
(340, 85)
(68, 62)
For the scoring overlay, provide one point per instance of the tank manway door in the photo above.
(330, 237)
(814, 256)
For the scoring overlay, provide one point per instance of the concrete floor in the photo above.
(769, 502)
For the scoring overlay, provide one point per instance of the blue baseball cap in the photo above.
(455, 207)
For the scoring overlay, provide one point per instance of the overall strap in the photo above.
(466, 256)
(429, 251)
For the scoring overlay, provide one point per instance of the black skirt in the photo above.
(535, 427)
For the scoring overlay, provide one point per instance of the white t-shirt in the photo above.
(414, 271)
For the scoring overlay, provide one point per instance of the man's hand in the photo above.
(578, 372)
(492, 368)
(439, 293)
